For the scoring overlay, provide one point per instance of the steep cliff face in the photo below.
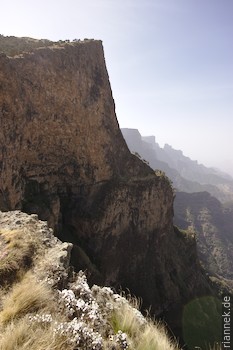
(63, 157)
(58, 125)
(213, 225)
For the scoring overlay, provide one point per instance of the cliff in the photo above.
(212, 223)
(58, 125)
(63, 156)
(199, 212)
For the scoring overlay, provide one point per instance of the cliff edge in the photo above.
(44, 305)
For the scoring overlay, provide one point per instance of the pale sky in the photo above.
(170, 63)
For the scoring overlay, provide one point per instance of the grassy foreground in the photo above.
(44, 305)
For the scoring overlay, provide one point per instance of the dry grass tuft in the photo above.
(28, 296)
(31, 317)
(154, 337)
(17, 332)
(142, 334)
(17, 251)
(124, 318)
(23, 335)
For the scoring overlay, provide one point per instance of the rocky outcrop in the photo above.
(48, 306)
(64, 157)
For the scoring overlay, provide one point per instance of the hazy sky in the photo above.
(170, 63)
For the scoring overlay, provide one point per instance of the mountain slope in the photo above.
(185, 174)
(198, 212)
(189, 169)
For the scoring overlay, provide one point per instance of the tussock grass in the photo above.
(34, 315)
(124, 318)
(23, 297)
(28, 296)
(143, 334)
(23, 335)
(154, 337)
(17, 251)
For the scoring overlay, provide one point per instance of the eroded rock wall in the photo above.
(212, 223)
(58, 124)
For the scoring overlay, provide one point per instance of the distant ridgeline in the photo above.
(187, 175)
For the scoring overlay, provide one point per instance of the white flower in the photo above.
(44, 318)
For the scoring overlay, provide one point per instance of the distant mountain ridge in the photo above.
(188, 168)
(186, 174)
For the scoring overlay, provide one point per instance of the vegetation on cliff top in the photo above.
(45, 306)
(13, 46)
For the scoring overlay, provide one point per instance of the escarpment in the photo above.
(63, 157)
(213, 226)
(58, 126)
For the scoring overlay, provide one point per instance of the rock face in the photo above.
(198, 212)
(213, 225)
(64, 157)
(58, 126)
